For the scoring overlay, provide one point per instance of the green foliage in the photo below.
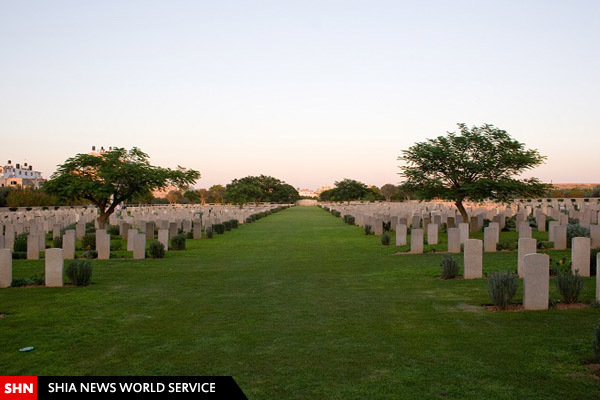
(260, 189)
(219, 228)
(385, 239)
(112, 230)
(108, 179)
(242, 193)
(367, 229)
(449, 267)
(596, 343)
(209, 233)
(234, 223)
(20, 243)
(90, 254)
(389, 191)
(156, 249)
(26, 197)
(79, 272)
(349, 219)
(576, 230)
(558, 266)
(34, 280)
(505, 244)
(178, 242)
(116, 245)
(4, 192)
(57, 242)
(510, 223)
(347, 190)
(502, 287)
(227, 225)
(19, 255)
(88, 242)
(478, 164)
(569, 285)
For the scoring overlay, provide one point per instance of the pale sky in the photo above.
(307, 91)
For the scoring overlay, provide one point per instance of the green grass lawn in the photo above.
(300, 305)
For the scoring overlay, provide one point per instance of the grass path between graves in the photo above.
(300, 306)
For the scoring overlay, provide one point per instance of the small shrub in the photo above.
(385, 239)
(209, 233)
(178, 242)
(227, 225)
(21, 243)
(576, 230)
(219, 228)
(18, 282)
(557, 266)
(34, 280)
(156, 249)
(116, 245)
(248, 220)
(596, 343)
(113, 230)
(569, 285)
(510, 223)
(449, 267)
(506, 244)
(88, 242)
(57, 242)
(234, 223)
(502, 287)
(90, 254)
(79, 272)
(367, 229)
(19, 255)
(189, 235)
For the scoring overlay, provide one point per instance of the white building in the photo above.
(20, 175)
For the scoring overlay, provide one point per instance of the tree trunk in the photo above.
(103, 220)
(462, 211)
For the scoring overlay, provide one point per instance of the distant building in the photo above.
(307, 193)
(14, 175)
(98, 151)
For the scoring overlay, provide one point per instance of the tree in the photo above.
(479, 164)
(242, 193)
(271, 189)
(216, 194)
(112, 177)
(4, 192)
(388, 191)
(192, 196)
(174, 196)
(348, 190)
(284, 193)
(29, 197)
(203, 195)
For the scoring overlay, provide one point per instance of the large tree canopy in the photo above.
(388, 191)
(347, 190)
(112, 177)
(480, 163)
(271, 189)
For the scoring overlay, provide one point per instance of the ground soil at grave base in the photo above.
(300, 305)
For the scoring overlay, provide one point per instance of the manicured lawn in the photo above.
(299, 305)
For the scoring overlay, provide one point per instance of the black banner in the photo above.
(138, 387)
